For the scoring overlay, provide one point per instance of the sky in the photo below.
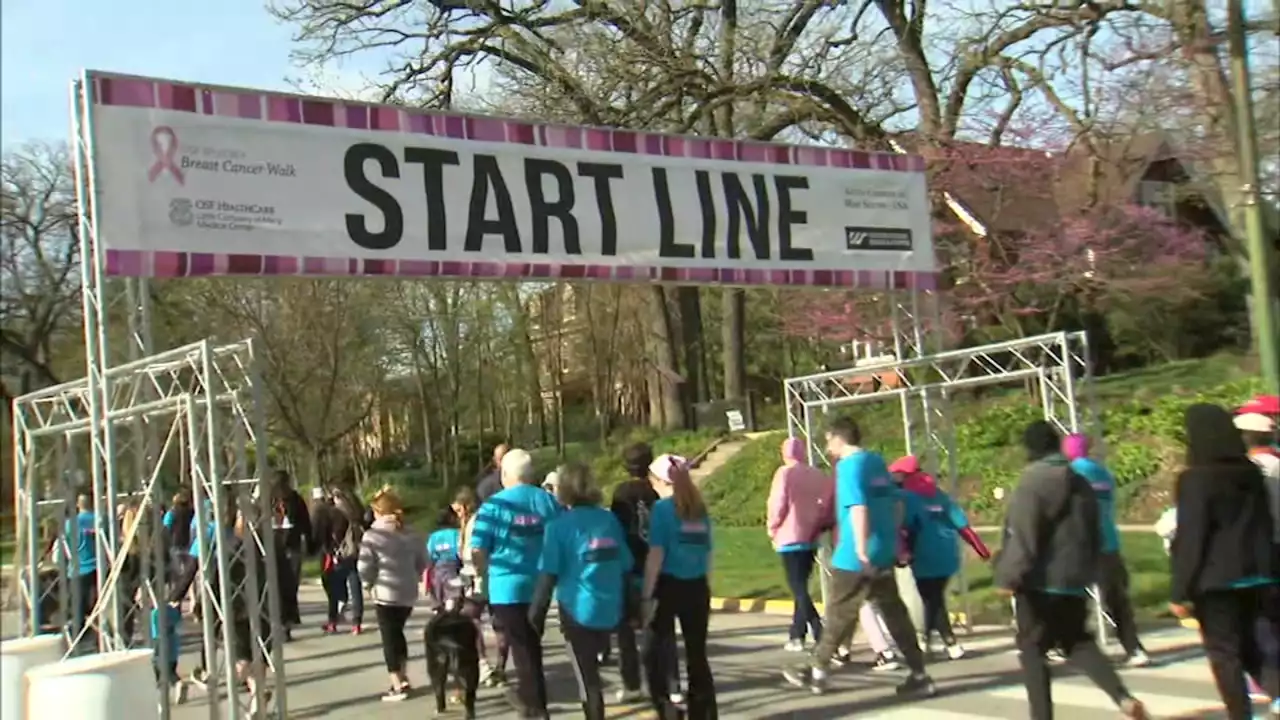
(44, 44)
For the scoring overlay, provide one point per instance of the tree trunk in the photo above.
(666, 411)
(733, 329)
(695, 371)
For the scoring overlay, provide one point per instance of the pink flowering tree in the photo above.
(1028, 240)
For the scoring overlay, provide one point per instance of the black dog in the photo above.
(450, 641)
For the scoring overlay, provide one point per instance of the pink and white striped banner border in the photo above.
(276, 107)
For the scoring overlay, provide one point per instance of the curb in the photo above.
(784, 607)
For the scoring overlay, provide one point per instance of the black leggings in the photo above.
(526, 650)
(395, 648)
(933, 595)
(586, 645)
(1234, 625)
(688, 601)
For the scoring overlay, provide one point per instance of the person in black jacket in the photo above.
(1048, 560)
(489, 483)
(631, 503)
(1222, 561)
(293, 526)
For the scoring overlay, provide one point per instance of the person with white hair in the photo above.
(551, 482)
(506, 544)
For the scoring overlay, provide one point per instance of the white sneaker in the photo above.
(178, 692)
(676, 698)
(626, 697)
(794, 646)
(955, 652)
(1139, 659)
(1055, 657)
(886, 662)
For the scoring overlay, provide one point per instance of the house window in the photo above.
(1162, 196)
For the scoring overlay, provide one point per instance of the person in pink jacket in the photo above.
(800, 509)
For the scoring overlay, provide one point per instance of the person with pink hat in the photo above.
(1113, 584)
(932, 524)
(798, 511)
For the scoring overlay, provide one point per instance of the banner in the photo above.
(193, 180)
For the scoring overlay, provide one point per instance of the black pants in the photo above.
(1231, 623)
(585, 648)
(512, 622)
(395, 648)
(1047, 622)
(334, 582)
(188, 568)
(847, 592)
(629, 663)
(933, 595)
(290, 575)
(798, 566)
(86, 597)
(131, 607)
(688, 601)
(1114, 591)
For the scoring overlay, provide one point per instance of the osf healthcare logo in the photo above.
(164, 149)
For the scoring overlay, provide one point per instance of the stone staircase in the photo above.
(721, 454)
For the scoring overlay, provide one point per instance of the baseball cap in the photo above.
(661, 466)
(1255, 422)
(1261, 405)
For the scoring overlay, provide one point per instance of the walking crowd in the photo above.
(622, 576)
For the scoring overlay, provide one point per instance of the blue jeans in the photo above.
(798, 565)
(344, 584)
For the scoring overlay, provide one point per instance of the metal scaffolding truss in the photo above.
(1058, 362)
(191, 418)
(185, 418)
(922, 383)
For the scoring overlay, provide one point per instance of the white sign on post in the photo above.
(736, 422)
(195, 180)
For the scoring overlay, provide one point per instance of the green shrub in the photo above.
(1142, 442)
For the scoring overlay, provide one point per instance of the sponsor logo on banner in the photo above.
(867, 238)
(179, 162)
(197, 182)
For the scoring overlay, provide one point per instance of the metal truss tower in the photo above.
(117, 441)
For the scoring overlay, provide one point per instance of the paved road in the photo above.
(341, 677)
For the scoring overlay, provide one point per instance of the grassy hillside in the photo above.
(1141, 414)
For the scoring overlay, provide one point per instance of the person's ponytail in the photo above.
(688, 499)
(387, 504)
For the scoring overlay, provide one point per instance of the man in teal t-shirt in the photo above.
(507, 545)
(867, 524)
(82, 534)
(1113, 584)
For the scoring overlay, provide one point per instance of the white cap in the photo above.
(1254, 422)
(317, 493)
(552, 479)
(661, 466)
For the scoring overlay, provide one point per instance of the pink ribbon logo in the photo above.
(164, 147)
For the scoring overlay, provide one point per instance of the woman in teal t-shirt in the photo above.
(677, 586)
(585, 564)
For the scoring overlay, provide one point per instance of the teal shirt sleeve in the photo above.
(955, 514)
(549, 563)
(482, 535)
(661, 529)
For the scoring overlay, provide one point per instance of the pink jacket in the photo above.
(802, 499)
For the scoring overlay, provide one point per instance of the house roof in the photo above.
(1014, 189)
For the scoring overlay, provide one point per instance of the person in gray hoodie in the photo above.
(391, 562)
(1048, 560)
